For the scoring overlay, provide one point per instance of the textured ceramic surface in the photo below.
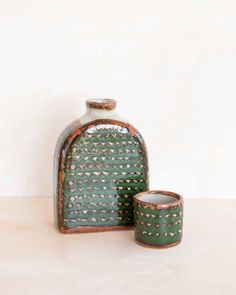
(99, 167)
(158, 223)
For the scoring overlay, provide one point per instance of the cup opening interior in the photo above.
(157, 198)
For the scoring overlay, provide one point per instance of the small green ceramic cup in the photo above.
(158, 218)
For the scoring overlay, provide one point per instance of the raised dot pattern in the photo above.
(158, 226)
(105, 167)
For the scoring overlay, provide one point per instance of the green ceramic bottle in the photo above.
(100, 164)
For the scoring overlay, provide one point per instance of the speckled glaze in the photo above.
(158, 224)
(100, 164)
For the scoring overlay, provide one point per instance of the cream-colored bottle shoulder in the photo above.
(93, 115)
(89, 116)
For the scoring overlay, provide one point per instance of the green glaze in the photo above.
(158, 227)
(105, 167)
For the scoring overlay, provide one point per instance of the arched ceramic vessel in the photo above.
(100, 164)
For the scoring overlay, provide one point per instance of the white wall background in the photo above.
(170, 64)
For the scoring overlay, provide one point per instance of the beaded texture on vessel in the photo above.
(101, 170)
(158, 227)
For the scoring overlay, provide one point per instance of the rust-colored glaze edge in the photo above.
(107, 104)
(61, 173)
(157, 246)
(179, 200)
(92, 229)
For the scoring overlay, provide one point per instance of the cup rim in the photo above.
(177, 202)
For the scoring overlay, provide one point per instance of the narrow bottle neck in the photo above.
(100, 113)
(101, 107)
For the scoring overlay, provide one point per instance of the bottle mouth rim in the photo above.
(101, 103)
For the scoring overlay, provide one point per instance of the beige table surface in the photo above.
(36, 259)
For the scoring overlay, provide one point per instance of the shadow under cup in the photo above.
(158, 218)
